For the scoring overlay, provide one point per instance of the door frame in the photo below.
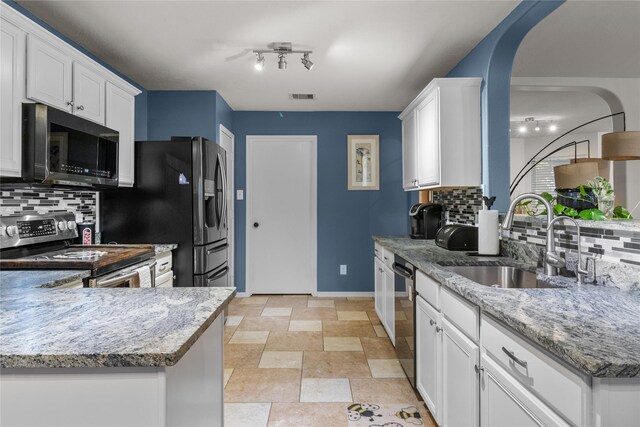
(231, 200)
(265, 139)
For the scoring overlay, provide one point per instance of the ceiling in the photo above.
(566, 109)
(583, 39)
(369, 55)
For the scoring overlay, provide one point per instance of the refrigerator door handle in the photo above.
(218, 275)
(223, 185)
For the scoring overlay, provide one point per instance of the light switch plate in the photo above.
(343, 270)
(240, 194)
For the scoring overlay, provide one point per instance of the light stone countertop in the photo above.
(27, 279)
(595, 329)
(123, 327)
(162, 248)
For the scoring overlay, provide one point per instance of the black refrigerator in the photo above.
(179, 196)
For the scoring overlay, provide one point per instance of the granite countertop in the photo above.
(595, 329)
(26, 279)
(65, 328)
(162, 248)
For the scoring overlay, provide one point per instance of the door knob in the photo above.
(256, 225)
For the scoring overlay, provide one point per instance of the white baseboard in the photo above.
(242, 295)
(343, 294)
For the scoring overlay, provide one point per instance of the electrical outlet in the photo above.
(343, 270)
(239, 194)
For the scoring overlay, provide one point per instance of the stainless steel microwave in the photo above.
(60, 148)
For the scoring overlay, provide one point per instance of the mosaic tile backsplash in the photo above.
(25, 200)
(462, 204)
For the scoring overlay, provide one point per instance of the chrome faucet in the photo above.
(507, 223)
(557, 261)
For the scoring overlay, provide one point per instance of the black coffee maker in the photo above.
(425, 220)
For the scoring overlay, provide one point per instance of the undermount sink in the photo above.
(500, 276)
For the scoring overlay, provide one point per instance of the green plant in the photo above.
(604, 194)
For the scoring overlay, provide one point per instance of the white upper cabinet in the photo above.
(49, 74)
(88, 93)
(12, 51)
(37, 66)
(441, 141)
(120, 117)
(409, 165)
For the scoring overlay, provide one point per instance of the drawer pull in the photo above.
(514, 358)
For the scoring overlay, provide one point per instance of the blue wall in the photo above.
(492, 59)
(186, 113)
(346, 219)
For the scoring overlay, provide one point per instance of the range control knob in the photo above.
(62, 225)
(71, 225)
(12, 230)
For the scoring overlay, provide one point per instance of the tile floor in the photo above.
(299, 361)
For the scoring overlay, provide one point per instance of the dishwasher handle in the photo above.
(402, 271)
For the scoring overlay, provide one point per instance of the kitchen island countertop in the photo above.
(593, 328)
(141, 327)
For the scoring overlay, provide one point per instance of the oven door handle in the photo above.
(115, 281)
(402, 271)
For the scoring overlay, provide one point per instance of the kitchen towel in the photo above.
(144, 276)
(488, 233)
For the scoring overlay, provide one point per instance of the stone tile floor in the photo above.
(300, 360)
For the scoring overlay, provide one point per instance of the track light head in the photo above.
(259, 65)
(282, 61)
(307, 62)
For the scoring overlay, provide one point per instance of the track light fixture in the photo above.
(259, 61)
(282, 50)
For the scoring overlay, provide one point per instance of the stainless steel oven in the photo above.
(126, 278)
(405, 305)
(60, 148)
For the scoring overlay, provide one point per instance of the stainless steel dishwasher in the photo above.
(405, 314)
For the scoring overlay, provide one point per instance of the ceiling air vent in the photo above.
(303, 96)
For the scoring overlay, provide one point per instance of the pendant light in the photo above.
(621, 145)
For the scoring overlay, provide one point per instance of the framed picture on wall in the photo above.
(364, 162)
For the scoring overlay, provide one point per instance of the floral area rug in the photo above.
(389, 415)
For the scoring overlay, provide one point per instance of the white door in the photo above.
(49, 74)
(281, 214)
(460, 382)
(428, 137)
(428, 356)
(119, 116)
(227, 141)
(88, 94)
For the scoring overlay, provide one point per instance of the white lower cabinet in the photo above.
(460, 379)
(379, 287)
(506, 403)
(429, 357)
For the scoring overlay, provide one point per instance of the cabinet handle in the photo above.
(80, 107)
(438, 329)
(432, 322)
(70, 103)
(513, 357)
(478, 369)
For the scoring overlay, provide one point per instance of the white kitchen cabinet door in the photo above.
(88, 93)
(379, 287)
(389, 304)
(429, 357)
(49, 74)
(12, 51)
(428, 140)
(506, 403)
(120, 110)
(460, 381)
(409, 173)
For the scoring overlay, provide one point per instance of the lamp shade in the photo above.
(574, 175)
(604, 166)
(621, 145)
